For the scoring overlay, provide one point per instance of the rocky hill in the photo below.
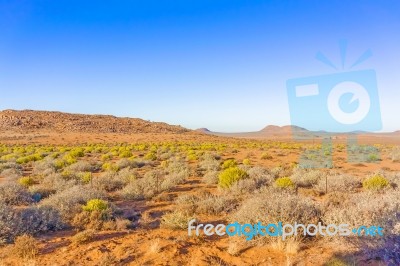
(29, 120)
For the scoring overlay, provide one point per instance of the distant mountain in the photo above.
(270, 131)
(31, 121)
(203, 130)
(290, 131)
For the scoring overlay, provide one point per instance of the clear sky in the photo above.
(220, 64)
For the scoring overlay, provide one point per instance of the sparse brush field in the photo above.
(130, 203)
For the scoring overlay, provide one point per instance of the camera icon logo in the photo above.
(345, 102)
(341, 102)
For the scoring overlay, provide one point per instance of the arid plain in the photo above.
(102, 190)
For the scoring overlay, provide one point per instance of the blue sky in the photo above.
(216, 64)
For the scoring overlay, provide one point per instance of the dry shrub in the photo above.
(209, 163)
(40, 192)
(307, 178)
(122, 224)
(395, 154)
(211, 177)
(143, 188)
(8, 219)
(11, 174)
(235, 246)
(155, 246)
(14, 194)
(175, 220)
(206, 203)
(258, 177)
(10, 165)
(69, 201)
(156, 181)
(366, 209)
(44, 167)
(172, 180)
(81, 166)
(270, 206)
(56, 182)
(91, 220)
(291, 246)
(212, 204)
(30, 221)
(338, 183)
(83, 237)
(25, 247)
(108, 181)
(40, 219)
(108, 259)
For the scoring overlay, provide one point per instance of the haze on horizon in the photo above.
(219, 65)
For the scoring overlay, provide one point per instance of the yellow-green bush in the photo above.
(229, 163)
(106, 157)
(58, 164)
(69, 159)
(95, 205)
(30, 158)
(26, 181)
(125, 154)
(192, 157)
(246, 161)
(231, 175)
(110, 167)
(266, 156)
(77, 152)
(85, 177)
(284, 182)
(376, 182)
(150, 156)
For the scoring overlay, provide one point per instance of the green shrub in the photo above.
(110, 167)
(106, 157)
(125, 154)
(231, 175)
(229, 163)
(59, 164)
(192, 157)
(376, 182)
(85, 177)
(77, 152)
(26, 181)
(150, 156)
(69, 159)
(95, 205)
(30, 158)
(284, 182)
(373, 157)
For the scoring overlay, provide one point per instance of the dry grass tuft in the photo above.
(25, 247)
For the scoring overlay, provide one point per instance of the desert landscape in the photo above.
(102, 190)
